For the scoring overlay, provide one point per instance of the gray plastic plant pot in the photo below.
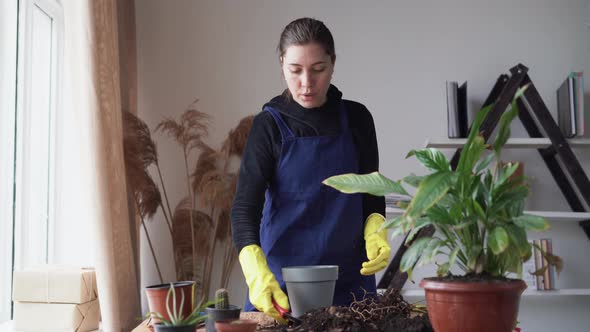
(184, 328)
(310, 287)
(214, 315)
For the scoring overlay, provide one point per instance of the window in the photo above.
(30, 103)
(8, 46)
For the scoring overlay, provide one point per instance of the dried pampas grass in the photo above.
(195, 232)
(139, 153)
(236, 139)
(190, 130)
(189, 241)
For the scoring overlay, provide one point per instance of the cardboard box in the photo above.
(54, 284)
(56, 317)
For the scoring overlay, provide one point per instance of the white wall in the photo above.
(391, 56)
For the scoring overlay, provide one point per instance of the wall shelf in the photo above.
(554, 216)
(514, 143)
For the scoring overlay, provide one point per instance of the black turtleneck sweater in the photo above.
(263, 149)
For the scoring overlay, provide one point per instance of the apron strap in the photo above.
(343, 117)
(283, 128)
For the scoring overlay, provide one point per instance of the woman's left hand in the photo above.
(378, 249)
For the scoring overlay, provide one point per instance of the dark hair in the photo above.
(304, 31)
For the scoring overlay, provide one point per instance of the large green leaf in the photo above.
(473, 133)
(506, 120)
(453, 255)
(411, 256)
(531, 222)
(430, 251)
(512, 262)
(430, 191)
(444, 268)
(420, 223)
(473, 155)
(484, 163)
(473, 253)
(479, 210)
(520, 91)
(509, 198)
(413, 180)
(516, 209)
(498, 240)
(439, 215)
(505, 173)
(374, 183)
(504, 127)
(396, 226)
(518, 237)
(431, 158)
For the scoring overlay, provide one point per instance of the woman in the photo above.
(282, 215)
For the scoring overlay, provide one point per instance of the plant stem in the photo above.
(165, 197)
(178, 266)
(147, 234)
(209, 258)
(168, 217)
(190, 193)
(229, 263)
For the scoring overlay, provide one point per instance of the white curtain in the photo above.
(95, 33)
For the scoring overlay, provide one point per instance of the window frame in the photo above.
(15, 233)
(8, 61)
(54, 10)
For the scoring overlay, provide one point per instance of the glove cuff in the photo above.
(372, 224)
(253, 262)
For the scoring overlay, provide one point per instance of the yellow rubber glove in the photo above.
(262, 284)
(378, 248)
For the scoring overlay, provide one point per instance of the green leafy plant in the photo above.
(174, 311)
(476, 209)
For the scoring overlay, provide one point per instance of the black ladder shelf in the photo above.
(502, 94)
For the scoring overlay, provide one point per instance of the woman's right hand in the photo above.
(262, 284)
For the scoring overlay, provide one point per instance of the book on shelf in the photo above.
(456, 109)
(579, 100)
(547, 279)
(546, 274)
(570, 105)
(538, 263)
(551, 267)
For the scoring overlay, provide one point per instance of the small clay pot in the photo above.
(238, 325)
(156, 296)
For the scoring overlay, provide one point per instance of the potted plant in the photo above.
(174, 319)
(221, 310)
(477, 212)
(157, 297)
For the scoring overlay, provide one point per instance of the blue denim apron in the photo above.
(305, 222)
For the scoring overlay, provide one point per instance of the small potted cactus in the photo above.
(221, 310)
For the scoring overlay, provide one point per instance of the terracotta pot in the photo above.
(156, 296)
(473, 306)
(239, 325)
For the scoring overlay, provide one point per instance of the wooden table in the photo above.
(260, 317)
